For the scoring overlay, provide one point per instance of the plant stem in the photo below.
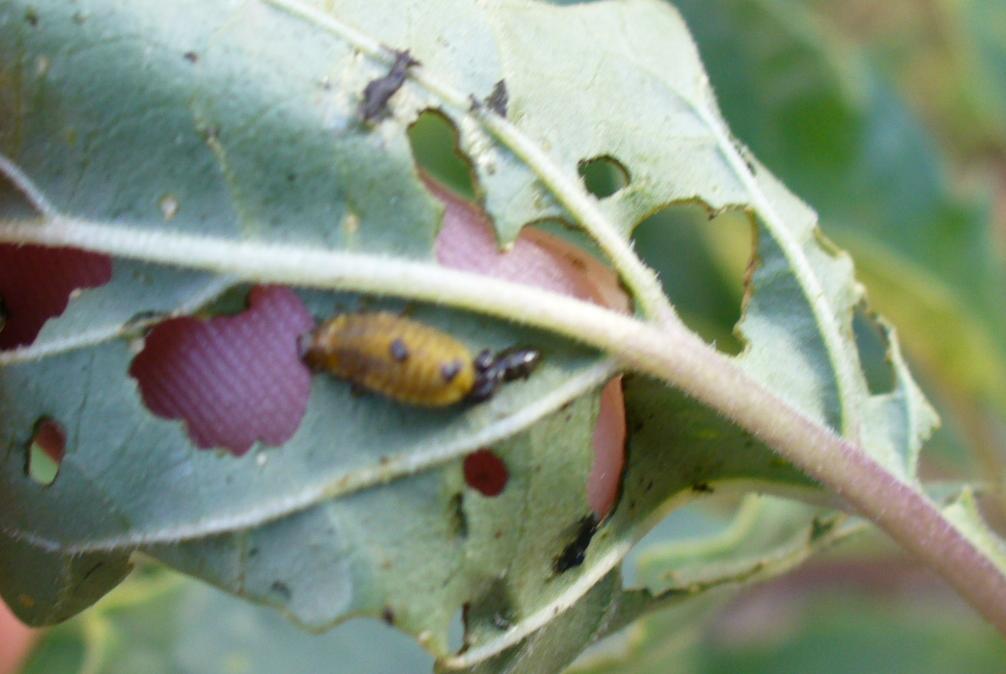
(669, 352)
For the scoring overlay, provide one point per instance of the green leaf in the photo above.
(767, 538)
(159, 623)
(203, 156)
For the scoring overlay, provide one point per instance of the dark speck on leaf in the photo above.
(191, 56)
(702, 488)
(399, 351)
(31, 17)
(379, 91)
(498, 99)
(281, 590)
(501, 622)
(574, 553)
(388, 616)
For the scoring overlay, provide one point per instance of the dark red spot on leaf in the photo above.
(233, 379)
(486, 473)
(35, 285)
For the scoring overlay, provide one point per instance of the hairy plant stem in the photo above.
(667, 351)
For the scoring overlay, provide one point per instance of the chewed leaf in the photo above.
(200, 156)
(768, 537)
(233, 379)
(36, 283)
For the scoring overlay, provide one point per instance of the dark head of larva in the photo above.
(517, 363)
(493, 370)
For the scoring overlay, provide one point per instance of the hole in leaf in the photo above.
(486, 473)
(609, 451)
(36, 284)
(46, 451)
(603, 176)
(466, 241)
(436, 150)
(235, 379)
(871, 342)
(701, 263)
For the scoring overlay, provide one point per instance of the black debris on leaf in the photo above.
(498, 99)
(379, 91)
(574, 553)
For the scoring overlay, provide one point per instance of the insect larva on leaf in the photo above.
(410, 362)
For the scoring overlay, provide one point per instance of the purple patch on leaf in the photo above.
(234, 380)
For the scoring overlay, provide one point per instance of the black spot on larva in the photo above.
(448, 371)
(702, 488)
(498, 99)
(281, 590)
(576, 551)
(31, 16)
(191, 56)
(399, 351)
(388, 615)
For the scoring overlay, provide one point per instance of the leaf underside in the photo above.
(246, 116)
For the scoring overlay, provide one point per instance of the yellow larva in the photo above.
(400, 358)
(411, 362)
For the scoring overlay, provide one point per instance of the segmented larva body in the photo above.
(397, 357)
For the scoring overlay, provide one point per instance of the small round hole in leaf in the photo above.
(603, 176)
(46, 450)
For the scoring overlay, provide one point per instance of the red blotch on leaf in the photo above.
(609, 450)
(486, 472)
(50, 438)
(233, 379)
(466, 241)
(35, 285)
